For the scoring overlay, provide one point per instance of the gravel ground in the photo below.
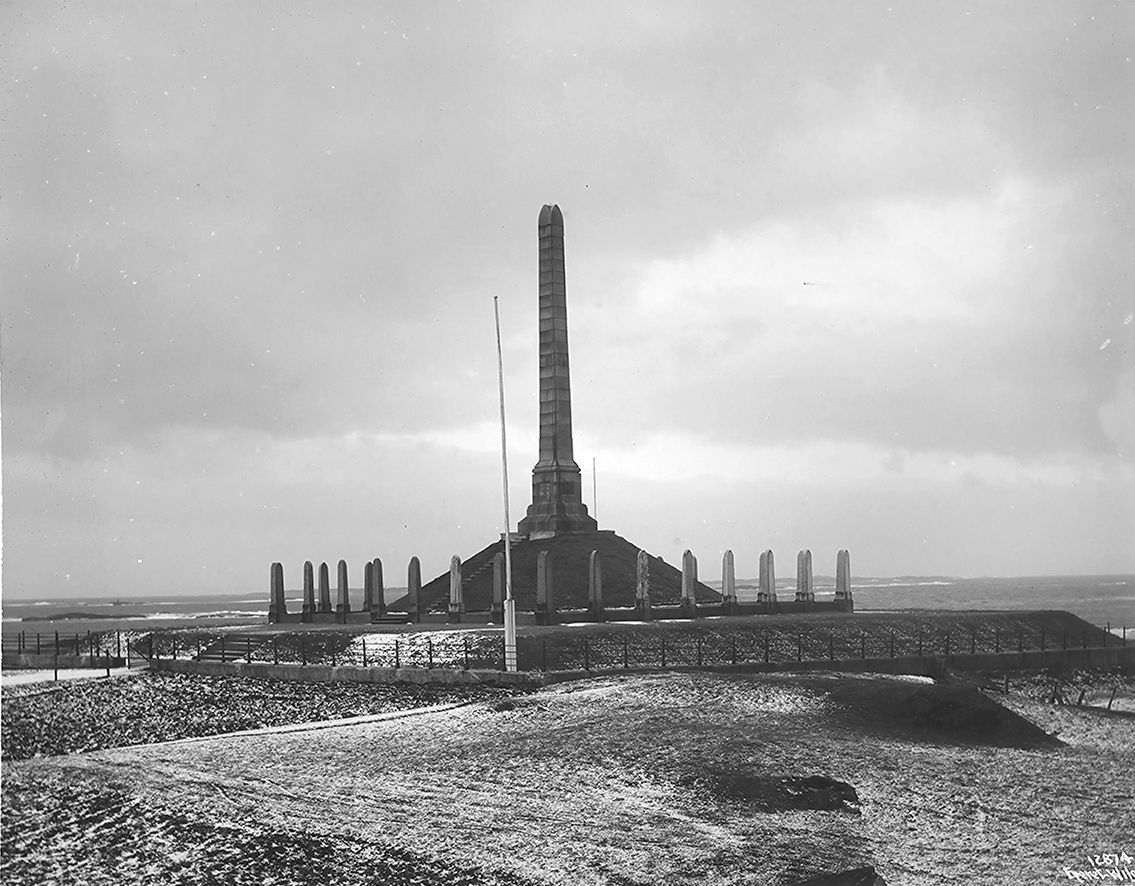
(666, 778)
(78, 827)
(48, 719)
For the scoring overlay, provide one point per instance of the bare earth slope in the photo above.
(674, 778)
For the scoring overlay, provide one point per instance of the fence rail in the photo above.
(92, 644)
(559, 650)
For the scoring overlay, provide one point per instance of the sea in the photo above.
(1098, 599)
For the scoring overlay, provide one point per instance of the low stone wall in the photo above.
(33, 661)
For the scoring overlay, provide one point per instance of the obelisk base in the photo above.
(556, 505)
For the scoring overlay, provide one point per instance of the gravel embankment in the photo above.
(147, 708)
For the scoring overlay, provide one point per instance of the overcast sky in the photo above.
(839, 276)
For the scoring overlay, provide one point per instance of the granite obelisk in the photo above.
(557, 498)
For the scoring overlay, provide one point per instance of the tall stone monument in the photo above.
(557, 500)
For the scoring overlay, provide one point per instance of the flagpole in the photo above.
(509, 603)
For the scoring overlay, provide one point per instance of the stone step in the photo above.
(391, 618)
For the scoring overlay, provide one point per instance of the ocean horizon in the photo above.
(1098, 599)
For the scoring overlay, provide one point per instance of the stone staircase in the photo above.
(391, 618)
(235, 647)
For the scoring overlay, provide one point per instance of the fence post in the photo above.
(222, 648)
(699, 651)
(465, 644)
(276, 650)
(117, 643)
(947, 642)
(91, 648)
(733, 649)
(663, 651)
(397, 655)
(504, 651)
(150, 644)
(430, 651)
(57, 645)
(799, 647)
(973, 643)
(766, 649)
(37, 642)
(106, 656)
(625, 663)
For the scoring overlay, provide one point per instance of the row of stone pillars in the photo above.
(546, 597)
(805, 587)
(374, 599)
(374, 592)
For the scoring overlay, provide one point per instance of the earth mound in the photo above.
(938, 712)
(570, 552)
(776, 793)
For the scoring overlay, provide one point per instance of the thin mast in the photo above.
(509, 603)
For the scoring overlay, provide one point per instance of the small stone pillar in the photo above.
(308, 590)
(642, 586)
(843, 578)
(804, 590)
(689, 584)
(414, 590)
(343, 601)
(378, 598)
(766, 590)
(456, 599)
(595, 585)
(545, 590)
(277, 608)
(728, 584)
(324, 589)
(496, 615)
(368, 585)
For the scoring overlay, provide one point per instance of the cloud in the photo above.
(918, 324)
(256, 251)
